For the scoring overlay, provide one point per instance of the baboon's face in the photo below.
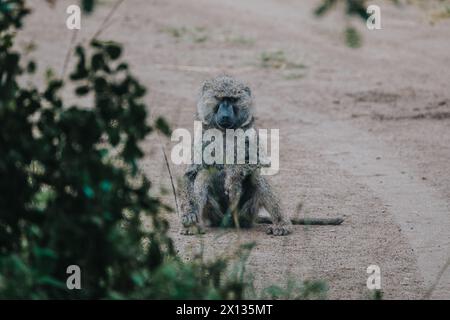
(225, 103)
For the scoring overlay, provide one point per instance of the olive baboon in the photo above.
(229, 194)
(222, 194)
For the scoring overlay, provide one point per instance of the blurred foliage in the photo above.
(88, 5)
(442, 14)
(308, 290)
(352, 7)
(352, 37)
(71, 192)
(356, 8)
(377, 295)
(196, 34)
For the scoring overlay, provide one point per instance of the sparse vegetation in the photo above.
(441, 14)
(277, 60)
(377, 295)
(352, 37)
(240, 40)
(308, 290)
(195, 34)
(358, 8)
(294, 76)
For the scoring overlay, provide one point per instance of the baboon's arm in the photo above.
(187, 198)
(268, 199)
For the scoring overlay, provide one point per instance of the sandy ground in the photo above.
(364, 133)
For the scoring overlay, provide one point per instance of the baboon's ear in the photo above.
(247, 89)
(206, 86)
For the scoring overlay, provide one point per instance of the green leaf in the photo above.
(44, 252)
(80, 71)
(88, 5)
(138, 279)
(114, 50)
(105, 186)
(100, 84)
(50, 281)
(31, 67)
(324, 7)
(97, 61)
(162, 125)
(89, 192)
(82, 90)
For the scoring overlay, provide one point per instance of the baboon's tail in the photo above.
(305, 221)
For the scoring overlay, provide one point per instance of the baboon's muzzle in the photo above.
(225, 115)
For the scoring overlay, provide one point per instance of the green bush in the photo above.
(71, 192)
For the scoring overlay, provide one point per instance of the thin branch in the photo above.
(430, 291)
(69, 53)
(107, 18)
(171, 177)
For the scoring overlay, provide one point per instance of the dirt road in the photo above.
(364, 133)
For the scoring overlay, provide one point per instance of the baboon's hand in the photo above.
(189, 219)
(192, 230)
(191, 224)
(278, 229)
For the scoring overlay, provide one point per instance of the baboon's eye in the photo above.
(233, 99)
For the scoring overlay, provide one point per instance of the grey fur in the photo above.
(231, 195)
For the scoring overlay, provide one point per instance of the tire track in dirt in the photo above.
(418, 209)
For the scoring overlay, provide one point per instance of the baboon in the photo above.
(229, 194)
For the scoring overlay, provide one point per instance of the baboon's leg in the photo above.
(268, 199)
(209, 191)
(201, 191)
(189, 216)
(188, 201)
(203, 206)
(243, 200)
(248, 210)
(233, 189)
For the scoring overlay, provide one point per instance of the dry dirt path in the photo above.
(359, 134)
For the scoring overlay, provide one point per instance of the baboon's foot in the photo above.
(278, 230)
(192, 230)
(189, 219)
